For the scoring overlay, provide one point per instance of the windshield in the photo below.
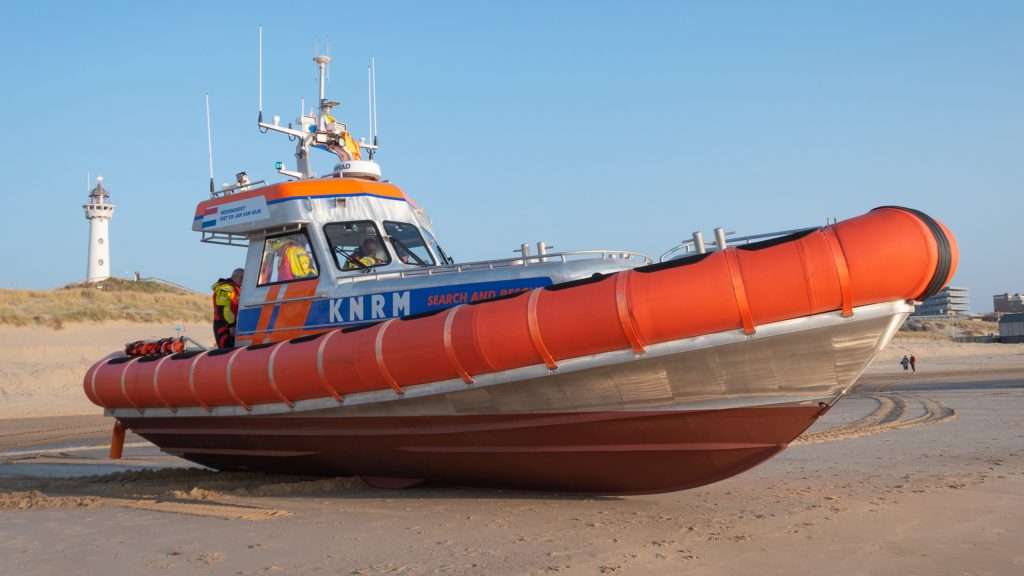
(356, 245)
(445, 259)
(409, 244)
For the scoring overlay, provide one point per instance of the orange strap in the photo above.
(231, 388)
(124, 390)
(449, 349)
(625, 318)
(192, 381)
(474, 314)
(839, 256)
(379, 350)
(320, 366)
(156, 387)
(270, 375)
(732, 262)
(538, 342)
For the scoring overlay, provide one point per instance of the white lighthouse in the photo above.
(99, 211)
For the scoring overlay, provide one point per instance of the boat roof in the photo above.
(321, 189)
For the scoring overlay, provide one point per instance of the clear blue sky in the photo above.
(589, 125)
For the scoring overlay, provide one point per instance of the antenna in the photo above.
(322, 62)
(209, 140)
(373, 100)
(261, 73)
(369, 104)
(316, 51)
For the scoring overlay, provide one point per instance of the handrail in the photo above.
(690, 246)
(225, 239)
(237, 188)
(243, 239)
(502, 263)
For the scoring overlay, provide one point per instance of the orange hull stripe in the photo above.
(265, 313)
(312, 189)
(293, 314)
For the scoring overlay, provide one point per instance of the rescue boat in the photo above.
(597, 371)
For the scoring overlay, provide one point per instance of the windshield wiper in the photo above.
(402, 245)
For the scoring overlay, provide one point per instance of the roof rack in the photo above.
(697, 244)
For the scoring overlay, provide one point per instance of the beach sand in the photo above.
(41, 369)
(912, 474)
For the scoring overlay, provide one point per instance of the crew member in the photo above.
(225, 308)
(293, 260)
(366, 255)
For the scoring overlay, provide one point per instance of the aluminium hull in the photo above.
(685, 414)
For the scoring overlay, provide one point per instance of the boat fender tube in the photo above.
(945, 263)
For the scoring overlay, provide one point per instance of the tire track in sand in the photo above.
(892, 413)
(52, 435)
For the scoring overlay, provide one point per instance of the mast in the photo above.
(319, 129)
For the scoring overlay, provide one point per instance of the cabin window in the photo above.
(356, 245)
(286, 259)
(445, 259)
(408, 244)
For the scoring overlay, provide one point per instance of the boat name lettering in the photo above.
(369, 307)
(233, 213)
(452, 298)
(346, 310)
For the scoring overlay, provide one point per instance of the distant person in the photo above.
(225, 308)
(913, 364)
(905, 363)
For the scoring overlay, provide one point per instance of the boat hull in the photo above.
(689, 413)
(591, 452)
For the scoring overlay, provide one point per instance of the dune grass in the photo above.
(934, 329)
(110, 300)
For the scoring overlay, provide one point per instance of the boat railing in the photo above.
(240, 187)
(529, 260)
(242, 239)
(697, 244)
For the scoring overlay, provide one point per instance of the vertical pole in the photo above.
(698, 242)
(261, 73)
(209, 141)
(524, 249)
(373, 84)
(369, 106)
(322, 79)
(720, 238)
(117, 441)
(542, 250)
